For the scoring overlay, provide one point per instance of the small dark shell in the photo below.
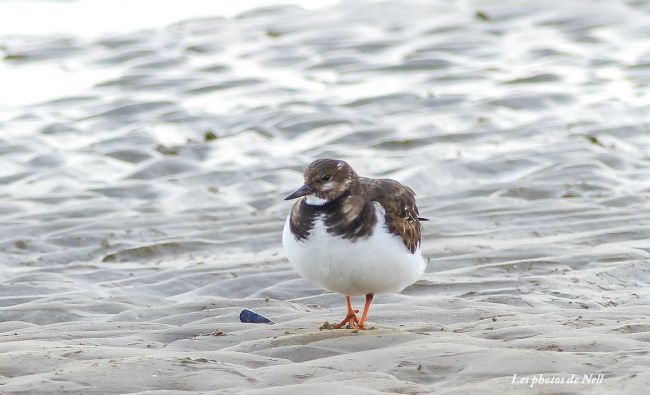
(252, 317)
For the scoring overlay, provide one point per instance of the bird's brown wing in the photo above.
(402, 217)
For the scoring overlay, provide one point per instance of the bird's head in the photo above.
(325, 180)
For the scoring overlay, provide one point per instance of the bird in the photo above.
(353, 235)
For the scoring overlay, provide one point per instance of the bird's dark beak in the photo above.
(302, 191)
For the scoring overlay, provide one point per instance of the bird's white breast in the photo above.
(374, 264)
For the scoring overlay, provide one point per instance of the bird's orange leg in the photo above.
(350, 319)
(366, 308)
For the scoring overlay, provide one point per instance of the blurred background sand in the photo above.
(146, 149)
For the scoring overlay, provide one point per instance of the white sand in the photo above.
(125, 235)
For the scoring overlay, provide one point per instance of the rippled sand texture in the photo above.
(141, 203)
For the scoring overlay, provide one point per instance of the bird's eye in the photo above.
(326, 178)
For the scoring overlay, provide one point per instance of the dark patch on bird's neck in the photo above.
(348, 216)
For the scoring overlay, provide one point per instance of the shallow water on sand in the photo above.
(142, 177)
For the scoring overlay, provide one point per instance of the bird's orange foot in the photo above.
(350, 320)
(361, 324)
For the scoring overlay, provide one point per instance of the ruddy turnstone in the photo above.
(353, 235)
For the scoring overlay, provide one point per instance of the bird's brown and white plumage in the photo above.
(353, 235)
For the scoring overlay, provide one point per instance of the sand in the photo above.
(142, 177)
